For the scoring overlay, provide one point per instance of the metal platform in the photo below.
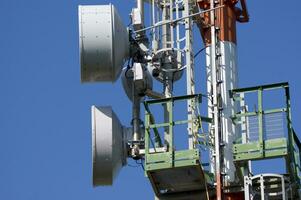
(267, 134)
(173, 173)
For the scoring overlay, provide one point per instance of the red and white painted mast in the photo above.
(218, 30)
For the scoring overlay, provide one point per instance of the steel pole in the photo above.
(140, 6)
(167, 64)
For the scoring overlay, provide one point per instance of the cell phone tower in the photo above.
(234, 132)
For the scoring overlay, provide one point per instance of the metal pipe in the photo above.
(166, 16)
(167, 85)
(136, 138)
(283, 188)
(167, 111)
(171, 30)
(179, 56)
(154, 94)
(136, 119)
(140, 6)
(262, 188)
(154, 31)
(177, 20)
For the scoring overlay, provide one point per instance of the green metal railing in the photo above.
(155, 158)
(297, 156)
(287, 146)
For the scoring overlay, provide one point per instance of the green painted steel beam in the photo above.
(255, 146)
(177, 98)
(178, 155)
(271, 111)
(239, 115)
(185, 163)
(206, 119)
(254, 151)
(158, 157)
(276, 143)
(165, 160)
(260, 119)
(246, 114)
(169, 136)
(276, 153)
(187, 154)
(157, 166)
(263, 87)
(248, 147)
(291, 162)
(151, 120)
(182, 122)
(296, 139)
(154, 126)
(248, 156)
(259, 155)
(146, 133)
(158, 125)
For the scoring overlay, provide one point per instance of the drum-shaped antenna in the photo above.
(108, 145)
(127, 83)
(103, 42)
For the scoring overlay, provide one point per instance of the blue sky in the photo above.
(45, 111)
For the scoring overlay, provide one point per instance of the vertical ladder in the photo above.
(216, 97)
(191, 106)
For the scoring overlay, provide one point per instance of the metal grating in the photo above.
(273, 126)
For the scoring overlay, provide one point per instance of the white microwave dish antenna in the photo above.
(109, 148)
(103, 42)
